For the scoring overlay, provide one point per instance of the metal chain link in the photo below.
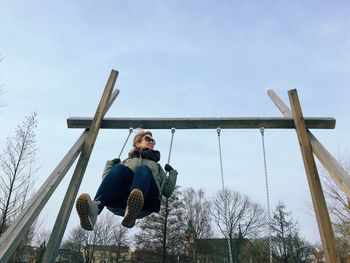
(267, 193)
(218, 130)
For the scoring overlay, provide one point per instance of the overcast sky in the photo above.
(180, 59)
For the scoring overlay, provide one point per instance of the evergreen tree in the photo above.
(288, 246)
(283, 229)
(161, 235)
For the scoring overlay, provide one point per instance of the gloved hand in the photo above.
(168, 168)
(116, 160)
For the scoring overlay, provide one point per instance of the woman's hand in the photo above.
(168, 168)
(116, 160)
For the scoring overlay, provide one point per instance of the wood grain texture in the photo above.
(201, 123)
(330, 163)
(19, 228)
(318, 200)
(72, 191)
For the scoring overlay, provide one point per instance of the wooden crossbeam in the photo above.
(202, 123)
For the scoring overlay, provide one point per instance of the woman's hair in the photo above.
(139, 136)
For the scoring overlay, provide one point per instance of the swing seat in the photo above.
(121, 211)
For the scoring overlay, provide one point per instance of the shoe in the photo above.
(87, 211)
(133, 208)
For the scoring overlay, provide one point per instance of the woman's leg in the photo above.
(139, 188)
(115, 188)
(142, 179)
(152, 199)
(113, 191)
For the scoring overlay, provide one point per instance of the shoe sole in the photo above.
(82, 206)
(134, 206)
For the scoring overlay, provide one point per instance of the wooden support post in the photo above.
(332, 166)
(72, 191)
(319, 202)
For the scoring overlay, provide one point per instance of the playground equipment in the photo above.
(293, 119)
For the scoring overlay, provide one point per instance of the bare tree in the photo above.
(302, 251)
(237, 218)
(78, 240)
(196, 208)
(342, 249)
(2, 104)
(41, 236)
(16, 164)
(108, 232)
(339, 208)
(17, 174)
(197, 219)
(337, 202)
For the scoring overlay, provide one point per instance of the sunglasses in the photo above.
(149, 139)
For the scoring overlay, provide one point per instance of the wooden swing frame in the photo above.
(293, 119)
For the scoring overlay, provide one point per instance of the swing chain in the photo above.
(127, 138)
(267, 192)
(218, 130)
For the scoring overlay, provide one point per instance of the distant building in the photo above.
(31, 254)
(68, 256)
(28, 254)
(212, 250)
(109, 254)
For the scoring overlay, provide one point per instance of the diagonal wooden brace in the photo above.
(72, 191)
(339, 175)
(14, 234)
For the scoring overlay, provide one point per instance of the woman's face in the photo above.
(146, 142)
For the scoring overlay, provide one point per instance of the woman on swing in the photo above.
(132, 188)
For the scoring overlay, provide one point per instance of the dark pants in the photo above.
(120, 181)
